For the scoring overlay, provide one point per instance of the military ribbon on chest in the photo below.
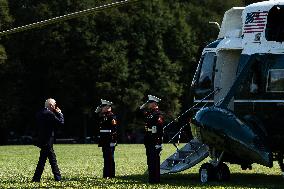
(113, 122)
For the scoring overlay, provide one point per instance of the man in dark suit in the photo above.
(47, 119)
(107, 136)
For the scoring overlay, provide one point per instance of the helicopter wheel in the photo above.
(222, 172)
(206, 172)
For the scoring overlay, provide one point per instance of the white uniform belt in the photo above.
(105, 131)
(149, 130)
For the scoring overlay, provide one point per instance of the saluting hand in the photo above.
(58, 110)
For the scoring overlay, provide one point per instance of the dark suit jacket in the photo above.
(47, 121)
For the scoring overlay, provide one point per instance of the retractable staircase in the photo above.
(186, 157)
(190, 154)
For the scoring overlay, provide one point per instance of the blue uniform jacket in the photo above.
(107, 129)
(153, 127)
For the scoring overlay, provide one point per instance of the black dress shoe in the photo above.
(154, 181)
(57, 179)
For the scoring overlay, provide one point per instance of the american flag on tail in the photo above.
(255, 22)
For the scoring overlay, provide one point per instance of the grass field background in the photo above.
(81, 167)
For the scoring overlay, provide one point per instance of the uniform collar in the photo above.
(107, 113)
(154, 109)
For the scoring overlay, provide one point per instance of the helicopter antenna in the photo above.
(216, 23)
(65, 17)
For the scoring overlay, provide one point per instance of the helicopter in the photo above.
(244, 68)
(238, 90)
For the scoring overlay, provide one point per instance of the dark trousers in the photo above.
(153, 162)
(109, 164)
(280, 161)
(47, 152)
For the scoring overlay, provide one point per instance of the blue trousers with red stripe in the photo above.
(109, 164)
(153, 162)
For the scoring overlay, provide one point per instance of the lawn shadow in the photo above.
(135, 179)
(191, 180)
(237, 180)
(99, 181)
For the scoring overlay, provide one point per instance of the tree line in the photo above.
(120, 54)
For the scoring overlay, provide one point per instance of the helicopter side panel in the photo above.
(260, 98)
(226, 68)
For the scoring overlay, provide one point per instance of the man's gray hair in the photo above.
(48, 102)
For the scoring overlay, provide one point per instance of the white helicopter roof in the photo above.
(231, 30)
(265, 4)
(232, 23)
(254, 19)
(243, 28)
(254, 16)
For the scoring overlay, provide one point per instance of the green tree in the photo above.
(5, 21)
(121, 54)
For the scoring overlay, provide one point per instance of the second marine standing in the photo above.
(107, 136)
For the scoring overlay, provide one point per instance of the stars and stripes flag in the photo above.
(255, 22)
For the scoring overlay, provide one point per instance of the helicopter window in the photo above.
(205, 80)
(275, 80)
(274, 28)
(253, 86)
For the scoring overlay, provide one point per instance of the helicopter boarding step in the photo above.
(186, 157)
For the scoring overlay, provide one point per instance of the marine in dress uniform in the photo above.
(153, 137)
(47, 120)
(107, 136)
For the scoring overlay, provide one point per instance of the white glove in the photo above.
(112, 144)
(154, 129)
(98, 109)
(143, 106)
(158, 147)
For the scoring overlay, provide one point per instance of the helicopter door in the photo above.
(251, 89)
(203, 80)
(261, 96)
(273, 112)
(226, 69)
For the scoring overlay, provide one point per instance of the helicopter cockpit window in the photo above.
(275, 80)
(252, 86)
(274, 27)
(205, 80)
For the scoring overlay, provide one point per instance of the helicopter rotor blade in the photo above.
(65, 17)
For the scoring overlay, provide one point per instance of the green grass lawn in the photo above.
(81, 167)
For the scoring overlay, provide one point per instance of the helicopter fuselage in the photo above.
(244, 117)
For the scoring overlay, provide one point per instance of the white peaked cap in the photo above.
(98, 109)
(153, 98)
(105, 102)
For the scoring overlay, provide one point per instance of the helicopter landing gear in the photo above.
(208, 172)
(222, 172)
(215, 170)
